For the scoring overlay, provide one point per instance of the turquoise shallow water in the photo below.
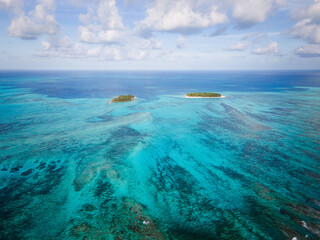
(74, 166)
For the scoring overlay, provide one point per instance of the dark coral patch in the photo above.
(28, 172)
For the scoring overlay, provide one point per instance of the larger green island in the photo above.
(204, 94)
(123, 98)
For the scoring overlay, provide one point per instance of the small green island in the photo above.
(204, 94)
(123, 98)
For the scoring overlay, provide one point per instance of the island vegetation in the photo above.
(204, 94)
(123, 98)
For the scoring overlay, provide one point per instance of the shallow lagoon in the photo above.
(246, 166)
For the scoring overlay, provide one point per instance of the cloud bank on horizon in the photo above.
(160, 34)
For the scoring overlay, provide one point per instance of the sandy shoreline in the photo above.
(205, 97)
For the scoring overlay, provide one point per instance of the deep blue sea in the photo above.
(75, 166)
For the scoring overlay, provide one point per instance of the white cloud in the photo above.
(180, 42)
(220, 31)
(150, 43)
(96, 53)
(103, 37)
(238, 47)
(14, 6)
(190, 16)
(108, 15)
(103, 24)
(65, 48)
(310, 50)
(311, 12)
(249, 12)
(271, 49)
(39, 21)
(133, 48)
(255, 37)
(95, 34)
(182, 16)
(308, 28)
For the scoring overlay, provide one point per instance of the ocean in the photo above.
(75, 166)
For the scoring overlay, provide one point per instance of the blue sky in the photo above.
(160, 34)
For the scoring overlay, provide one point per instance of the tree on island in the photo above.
(123, 98)
(203, 94)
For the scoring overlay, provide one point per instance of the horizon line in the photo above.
(158, 70)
